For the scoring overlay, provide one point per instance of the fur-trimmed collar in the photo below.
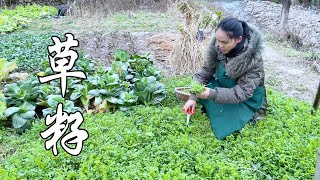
(247, 59)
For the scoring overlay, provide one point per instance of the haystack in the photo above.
(188, 53)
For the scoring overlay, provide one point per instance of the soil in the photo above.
(290, 75)
(102, 45)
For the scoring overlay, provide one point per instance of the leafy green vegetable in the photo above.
(6, 68)
(119, 86)
(81, 91)
(22, 115)
(27, 50)
(53, 101)
(22, 91)
(149, 90)
(197, 88)
(20, 98)
(128, 81)
(44, 91)
(11, 20)
(121, 55)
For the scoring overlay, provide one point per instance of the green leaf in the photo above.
(114, 100)
(197, 87)
(18, 121)
(53, 100)
(6, 68)
(94, 93)
(135, 79)
(149, 134)
(104, 92)
(159, 88)
(85, 101)
(129, 76)
(98, 100)
(157, 99)
(3, 117)
(93, 80)
(75, 96)
(11, 110)
(28, 115)
(143, 96)
(11, 88)
(111, 79)
(47, 111)
(150, 79)
(145, 82)
(121, 55)
(69, 105)
(137, 57)
(26, 106)
(128, 97)
(77, 109)
(150, 88)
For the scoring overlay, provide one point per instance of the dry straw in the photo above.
(188, 53)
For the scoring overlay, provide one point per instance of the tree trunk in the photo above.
(295, 2)
(306, 3)
(284, 15)
(316, 100)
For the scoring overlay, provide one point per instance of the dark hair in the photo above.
(234, 28)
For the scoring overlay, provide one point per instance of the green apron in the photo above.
(226, 119)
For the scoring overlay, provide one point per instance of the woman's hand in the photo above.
(189, 107)
(205, 94)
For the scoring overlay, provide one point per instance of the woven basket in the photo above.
(182, 94)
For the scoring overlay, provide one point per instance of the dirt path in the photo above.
(289, 75)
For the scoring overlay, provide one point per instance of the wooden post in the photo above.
(316, 100)
(317, 171)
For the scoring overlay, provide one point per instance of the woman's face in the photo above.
(225, 43)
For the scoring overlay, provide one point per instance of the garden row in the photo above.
(130, 80)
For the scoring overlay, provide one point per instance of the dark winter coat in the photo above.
(246, 68)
